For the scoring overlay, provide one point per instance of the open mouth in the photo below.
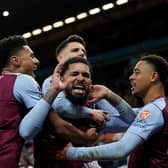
(133, 85)
(79, 89)
(35, 67)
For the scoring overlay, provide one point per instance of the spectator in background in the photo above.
(146, 138)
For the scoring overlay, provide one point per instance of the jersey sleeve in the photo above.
(67, 109)
(149, 120)
(103, 104)
(46, 84)
(27, 90)
(110, 151)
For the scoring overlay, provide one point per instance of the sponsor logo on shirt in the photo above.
(141, 120)
(139, 123)
(144, 115)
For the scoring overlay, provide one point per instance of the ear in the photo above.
(15, 60)
(59, 58)
(155, 76)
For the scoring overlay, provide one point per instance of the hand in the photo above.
(91, 136)
(57, 83)
(91, 132)
(97, 92)
(99, 116)
(61, 155)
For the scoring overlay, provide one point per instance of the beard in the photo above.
(77, 99)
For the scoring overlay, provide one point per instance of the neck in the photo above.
(13, 70)
(153, 93)
(9, 70)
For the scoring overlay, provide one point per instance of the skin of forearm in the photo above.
(50, 95)
(67, 131)
(113, 98)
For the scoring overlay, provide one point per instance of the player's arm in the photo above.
(28, 93)
(148, 122)
(126, 112)
(65, 108)
(66, 130)
(110, 151)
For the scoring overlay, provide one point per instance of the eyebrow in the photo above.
(136, 69)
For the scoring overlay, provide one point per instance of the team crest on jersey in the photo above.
(144, 115)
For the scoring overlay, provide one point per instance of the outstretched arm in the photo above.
(137, 133)
(111, 151)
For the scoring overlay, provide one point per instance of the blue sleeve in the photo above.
(111, 151)
(148, 121)
(121, 121)
(33, 121)
(65, 108)
(103, 104)
(114, 125)
(27, 90)
(46, 84)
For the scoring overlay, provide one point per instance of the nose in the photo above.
(36, 61)
(82, 54)
(131, 76)
(80, 77)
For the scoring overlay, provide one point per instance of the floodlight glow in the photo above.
(27, 35)
(70, 20)
(5, 13)
(58, 24)
(120, 2)
(36, 32)
(82, 15)
(47, 28)
(108, 6)
(94, 11)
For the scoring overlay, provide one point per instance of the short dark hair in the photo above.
(159, 64)
(9, 46)
(69, 39)
(73, 60)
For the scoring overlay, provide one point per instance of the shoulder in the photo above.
(152, 111)
(48, 80)
(160, 103)
(24, 80)
(46, 84)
